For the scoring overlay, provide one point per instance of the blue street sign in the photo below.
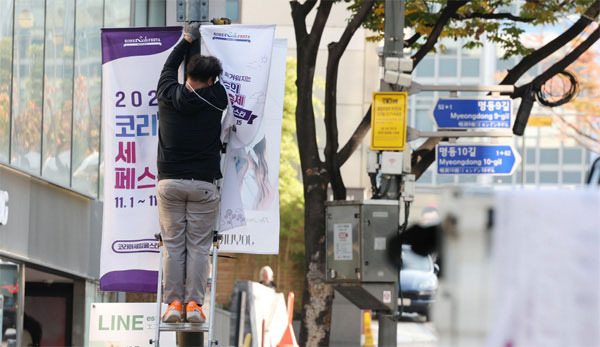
(473, 113)
(476, 159)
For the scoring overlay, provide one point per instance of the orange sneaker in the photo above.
(173, 313)
(194, 313)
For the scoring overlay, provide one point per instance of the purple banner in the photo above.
(130, 281)
(129, 254)
(128, 42)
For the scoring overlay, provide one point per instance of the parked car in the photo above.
(418, 282)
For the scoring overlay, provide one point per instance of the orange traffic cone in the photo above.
(367, 329)
(289, 338)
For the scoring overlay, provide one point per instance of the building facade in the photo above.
(50, 162)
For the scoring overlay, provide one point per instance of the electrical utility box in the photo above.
(357, 239)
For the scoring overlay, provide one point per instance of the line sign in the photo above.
(473, 113)
(476, 159)
(388, 121)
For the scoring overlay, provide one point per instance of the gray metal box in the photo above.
(357, 237)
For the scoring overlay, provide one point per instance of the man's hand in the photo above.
(191, 32)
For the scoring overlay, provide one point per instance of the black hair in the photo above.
(201, 68)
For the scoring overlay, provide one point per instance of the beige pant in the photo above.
(187, 211)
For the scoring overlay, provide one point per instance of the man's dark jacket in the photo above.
(189, 129)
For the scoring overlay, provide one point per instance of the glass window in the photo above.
(141, 13)
(548, 155)
(447, 67)
(6, 41)
(470, 67)
(27, 85)
(467, 179)
(530, 156)
(58, 91)
(426, 178)
(423, 121)
(529, 177)
(445, 179)
(9, 292)
(572, 155)
(117, 13)
(503, 65)
(86, 100)
(233, 10)
(547, 177)
(503, 179)
(156, 13)
(424, 99)
(571, 177)
(425, 68)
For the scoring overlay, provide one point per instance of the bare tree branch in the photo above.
(299, 19)
(432, 38)
(502, 15)
(307, 57)
(424, 156)
(336, 50)
(559, 65)
(359, 133)
(316, 32)
(545, 51)
(412, 40)
(308, 6)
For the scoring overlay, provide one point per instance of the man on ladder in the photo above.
(188, 162)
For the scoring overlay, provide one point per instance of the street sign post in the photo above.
(476, 159)
(473, 113)
(388, 121)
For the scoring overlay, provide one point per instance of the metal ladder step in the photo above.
(203, 327)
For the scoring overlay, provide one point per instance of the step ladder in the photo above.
(217, 237)
(187, 327)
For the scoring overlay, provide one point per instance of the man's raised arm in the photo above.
(168, 76)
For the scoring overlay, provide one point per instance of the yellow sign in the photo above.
(539, 122)
(388, 121)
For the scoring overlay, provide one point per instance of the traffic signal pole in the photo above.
(393, 47)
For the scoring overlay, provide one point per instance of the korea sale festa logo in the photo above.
(231, 36)
(142, 41)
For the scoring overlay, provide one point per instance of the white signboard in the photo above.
(342, 241)
(3, 207)
(125, 325)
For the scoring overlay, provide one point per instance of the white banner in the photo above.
(125, 324)
(251, 183)
(245, 53)
(132, 59)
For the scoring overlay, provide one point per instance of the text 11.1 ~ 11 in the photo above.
(121, 202)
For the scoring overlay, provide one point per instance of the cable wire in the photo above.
(544, 94)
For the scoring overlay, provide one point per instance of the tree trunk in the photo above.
(318, 296)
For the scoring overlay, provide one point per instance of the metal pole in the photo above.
(393, 47)
(20, 304)
(213, 280)
(394, 28)
(213, 285)
(524, 155)
(194, 11)
(159, 293)
(388, 331)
